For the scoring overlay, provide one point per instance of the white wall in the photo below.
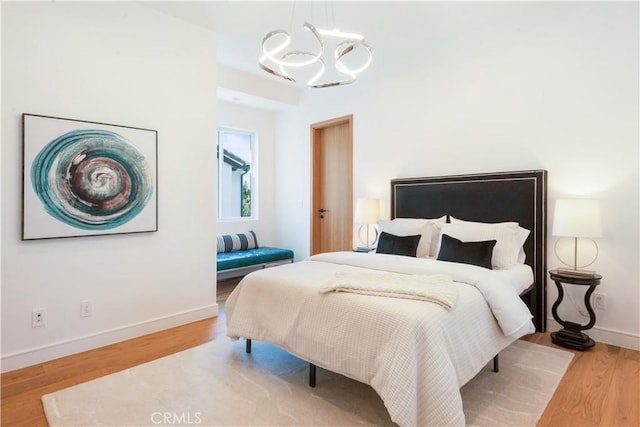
(124, 64)
(546, 86)
(239, 87)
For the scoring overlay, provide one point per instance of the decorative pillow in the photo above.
(236, 242)
(520, 237)
(475, 253)
(426, 228)
(509, 239)
(398, 245)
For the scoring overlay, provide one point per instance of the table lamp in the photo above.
(577, 218)
(367, 214)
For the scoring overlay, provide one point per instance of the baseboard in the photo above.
(59, 349)
(604, 335)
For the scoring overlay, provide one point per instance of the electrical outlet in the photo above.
(600, 301)
(86, 308)
(38, 317)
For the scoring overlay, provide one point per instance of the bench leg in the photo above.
(312, 375)
(496, 363)
(248, 347)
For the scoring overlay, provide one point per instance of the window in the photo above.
(236, 189)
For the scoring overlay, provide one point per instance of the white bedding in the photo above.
(415, 354)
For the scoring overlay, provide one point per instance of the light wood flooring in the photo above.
(600, 388)
(225, 287)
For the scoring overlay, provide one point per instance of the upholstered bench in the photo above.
(238, 251)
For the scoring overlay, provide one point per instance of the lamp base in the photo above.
(574, 265)
(365, 240)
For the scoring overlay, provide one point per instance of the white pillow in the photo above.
(412, 226)
(509, 237)
(523, 233)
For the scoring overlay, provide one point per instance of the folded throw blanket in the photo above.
(435, 288)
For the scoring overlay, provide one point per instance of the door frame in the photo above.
(316, 131)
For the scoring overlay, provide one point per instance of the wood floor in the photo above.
(600, 388)
(225, 287)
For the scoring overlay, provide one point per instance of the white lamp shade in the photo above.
(367, 211)
(577, 218)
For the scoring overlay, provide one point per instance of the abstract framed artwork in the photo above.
(84, 178)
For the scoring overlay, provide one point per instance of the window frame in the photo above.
(252, 135)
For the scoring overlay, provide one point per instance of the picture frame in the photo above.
(84, 178)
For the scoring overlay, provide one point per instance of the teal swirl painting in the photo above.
(92, 179)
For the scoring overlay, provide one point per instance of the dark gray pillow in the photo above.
(475, 253)
(398, 245)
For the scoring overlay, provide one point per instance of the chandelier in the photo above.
(275, 60)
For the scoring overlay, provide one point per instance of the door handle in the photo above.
(322, 211)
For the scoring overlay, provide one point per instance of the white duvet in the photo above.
(415, 354)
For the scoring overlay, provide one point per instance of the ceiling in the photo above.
(388, 26)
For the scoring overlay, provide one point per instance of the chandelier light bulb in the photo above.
(337, 33)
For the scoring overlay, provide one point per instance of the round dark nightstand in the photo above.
(571, 335)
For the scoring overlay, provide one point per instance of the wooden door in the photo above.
(332, 164)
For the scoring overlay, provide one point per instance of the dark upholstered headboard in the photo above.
(492, 197)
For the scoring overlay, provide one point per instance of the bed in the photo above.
(416, 351)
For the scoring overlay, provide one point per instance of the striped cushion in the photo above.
(236, 242)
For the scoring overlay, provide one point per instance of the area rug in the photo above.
(218, 384)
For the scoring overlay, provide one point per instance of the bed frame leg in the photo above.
(248, 348)
(496, 363)
(312, 375)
